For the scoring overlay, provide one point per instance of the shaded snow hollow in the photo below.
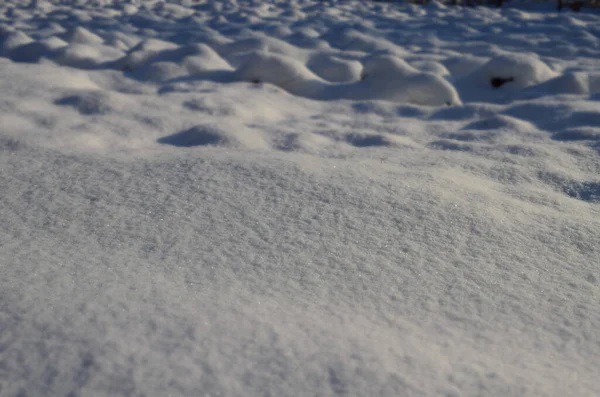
(298, 198)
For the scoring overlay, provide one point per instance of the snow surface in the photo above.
(298, 198)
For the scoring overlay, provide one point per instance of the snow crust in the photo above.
(290, 198)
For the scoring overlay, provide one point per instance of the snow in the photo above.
(390, 78)
(334, 69)
(515, 71)
(251, 198)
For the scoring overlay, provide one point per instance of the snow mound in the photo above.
(80, 35)
(390, 78)
(334, 69)
(33, 51)
(45, 77)
(524, 70)
(159, 72)
(502, 74)
(13, 41)
(353, 40)
(263, 44)
(84, 56)
(568, 84)
(223, 135)
(129, 9)
(154, 45)
(135, 59)
(121, 40)
(387, 66)
(431, 67)
(172, 11)
(53, 43)
(196, 58)
(307, 38)
(153, 50)
(461, 66)
(284, 72)
(384, 77)
(205, 59)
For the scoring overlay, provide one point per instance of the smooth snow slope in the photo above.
(298, 198)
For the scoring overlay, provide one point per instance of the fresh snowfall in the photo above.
(295, 198)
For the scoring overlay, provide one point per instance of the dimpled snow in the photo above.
(298, 198)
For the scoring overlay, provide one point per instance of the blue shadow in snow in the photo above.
(196, 136)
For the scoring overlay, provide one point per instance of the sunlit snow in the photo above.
(298, 198)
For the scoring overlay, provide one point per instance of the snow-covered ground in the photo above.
(298, 198)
